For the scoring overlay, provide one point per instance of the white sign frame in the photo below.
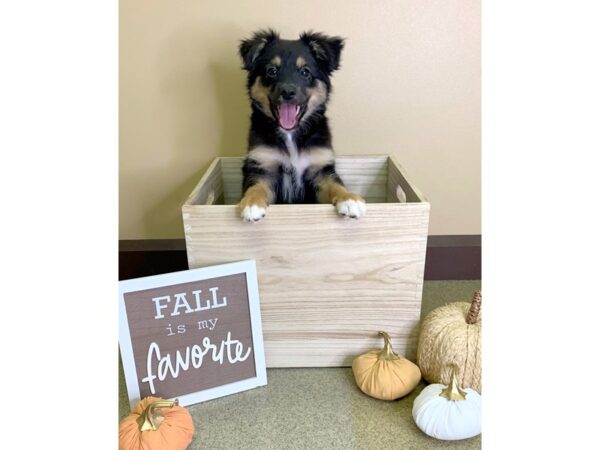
(138, 284)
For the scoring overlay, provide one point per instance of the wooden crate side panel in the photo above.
(327, 284)
(366, 176)
(209, 189)
(397, 178)
(232, 179)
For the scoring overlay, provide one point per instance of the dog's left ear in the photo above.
(326, 49)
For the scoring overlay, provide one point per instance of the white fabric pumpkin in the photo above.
(448, 412)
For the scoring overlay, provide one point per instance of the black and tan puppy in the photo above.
(290, 158)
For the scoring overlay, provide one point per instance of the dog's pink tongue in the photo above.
(287, 115)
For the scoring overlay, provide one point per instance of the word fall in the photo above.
(181, 302)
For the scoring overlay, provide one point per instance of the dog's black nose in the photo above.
(288, 92)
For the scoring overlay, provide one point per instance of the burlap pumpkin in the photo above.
(451, 336)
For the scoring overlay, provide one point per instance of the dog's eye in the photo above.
(272, 71)
(305, 72)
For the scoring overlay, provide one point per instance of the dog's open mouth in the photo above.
(289, 115)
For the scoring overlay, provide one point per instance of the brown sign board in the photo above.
(192, 335)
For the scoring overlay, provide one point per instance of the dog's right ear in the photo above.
(250, 49)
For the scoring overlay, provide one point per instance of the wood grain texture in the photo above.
(327, 284)
(397, 178)
(210, 187)
(365, 176)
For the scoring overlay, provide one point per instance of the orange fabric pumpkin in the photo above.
(384, 374)
(156, 424)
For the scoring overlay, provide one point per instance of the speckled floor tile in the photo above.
(318, 408)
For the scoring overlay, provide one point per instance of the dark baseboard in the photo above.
(451, 257)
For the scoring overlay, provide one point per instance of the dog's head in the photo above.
(289, 81)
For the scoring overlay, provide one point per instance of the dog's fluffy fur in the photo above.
(290, 158)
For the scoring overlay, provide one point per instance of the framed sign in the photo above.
(193, 335)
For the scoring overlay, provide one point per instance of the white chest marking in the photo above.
(292, 184)
(297, 162)
(294, 163)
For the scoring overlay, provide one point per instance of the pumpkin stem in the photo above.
(452, 391)
(151, 417)
(473, 314)
(387, 352)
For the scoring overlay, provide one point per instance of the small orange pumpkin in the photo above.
(384, 374)
(156, 424)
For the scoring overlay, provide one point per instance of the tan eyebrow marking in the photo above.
(300, 62)
(276, 61)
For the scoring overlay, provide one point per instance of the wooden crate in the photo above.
(327, 284)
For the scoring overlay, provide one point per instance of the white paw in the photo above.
(351, 208)
(253, 213)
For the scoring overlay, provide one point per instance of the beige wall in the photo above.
(409, 86)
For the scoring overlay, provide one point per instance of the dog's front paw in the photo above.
(252, 209)
(253, 213)
(351, 205)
